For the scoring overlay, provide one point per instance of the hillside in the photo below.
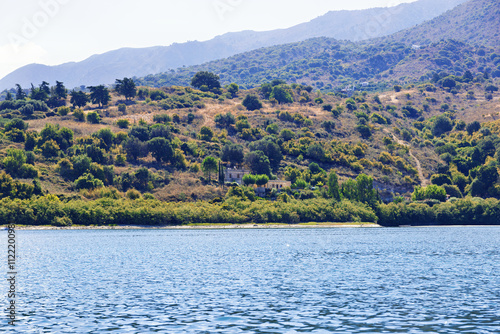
(128, 62)
(329, 64)
(475, 22)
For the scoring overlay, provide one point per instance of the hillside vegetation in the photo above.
(165, 145)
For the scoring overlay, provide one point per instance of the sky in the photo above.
(53, 32)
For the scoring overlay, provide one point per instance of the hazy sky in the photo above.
(56, 31)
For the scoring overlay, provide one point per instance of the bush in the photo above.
(79, 115)
(63, 111)
(123, 123)
(88, 181)
(251, 102)
(133, 194)
(93, 118)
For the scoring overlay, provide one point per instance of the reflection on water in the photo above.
(414, 280)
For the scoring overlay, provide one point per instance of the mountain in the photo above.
(128, 62)
(476, 22)
(327, 63)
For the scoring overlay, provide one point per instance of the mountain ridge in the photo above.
(129, 62)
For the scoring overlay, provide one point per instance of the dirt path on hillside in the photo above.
(423, 181)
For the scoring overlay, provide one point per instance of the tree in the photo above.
(333, 186)
(224, 121)
(233, 89)
(135, 148)
(20, 94)
(251, 102)
(78, 99)
(473, 127)
(160, 149)
(93, 118)
(60, 91)
(8, 96)
(281, 94)
(206, 133)
(88, 181)
(99, 95)
(126, 87)
(441, 125)
(258, 162)
(202, 78)
(440, 179)
(366, 193)
(249, 179)
(261, 180)
(270, 149)
(209, 166)
(233, 154)
(449, 82)
(14, 160)
(38, 93)
(491, 88)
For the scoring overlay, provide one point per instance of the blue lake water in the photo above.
(402, 280)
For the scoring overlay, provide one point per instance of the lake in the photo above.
(338, 280)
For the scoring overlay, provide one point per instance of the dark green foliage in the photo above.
(364, 130)
(209, 166)
(16, 124)
(233, 154)
(99, 95)
(161, 149)
(93, 118)
(251, 102)
(13, 189)
(224, 121)
(79, 99)
(203, 78)
(452, 190)
(411, 111)
(440, 179)
(442, 124)
(206, 133)
(140, 132)
(233, 89)
(126, 87)
(261, 180)
(249, 179)
(333, 186)
(430, 192)
(473, 127)
(162, 118)
(270, 149)
(160, 130)
(258, 163)
(79, 115)
(123, 123)
(135, 148)
(315, 152)
(360, 190)
(88, 181)
(50, 149)
(281, 94)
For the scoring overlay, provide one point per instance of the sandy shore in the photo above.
(194, 226)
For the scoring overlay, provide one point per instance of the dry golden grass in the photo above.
(187, 187)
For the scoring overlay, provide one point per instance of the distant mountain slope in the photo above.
(343, 25)
(476, 22)
(328, 63)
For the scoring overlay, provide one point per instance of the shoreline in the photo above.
(197, 227)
